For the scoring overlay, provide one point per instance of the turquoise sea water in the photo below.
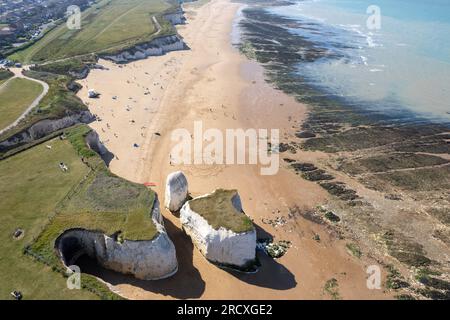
(405, 62)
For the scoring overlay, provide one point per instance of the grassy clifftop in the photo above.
(217, 208)
(40, 198)
(30, 188)
(15, 97)
(108, 25)
(43, 200)
(57, 103)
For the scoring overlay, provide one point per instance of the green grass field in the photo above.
(219, 211)
(30, 187)
(58, 102)
(5, 75)
(44, 201)
(15, 97)
(107, 25)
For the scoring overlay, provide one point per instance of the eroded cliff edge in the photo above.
(152, 259)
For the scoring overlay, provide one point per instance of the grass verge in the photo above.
(15, 97)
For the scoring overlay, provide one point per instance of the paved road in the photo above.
(18, 74)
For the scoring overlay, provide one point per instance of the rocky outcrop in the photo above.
(147, 259)
(176, 17)
(44, 127)
(80, 74)
(94, 143)
(155, 47)
(222, 246)
(176, 191)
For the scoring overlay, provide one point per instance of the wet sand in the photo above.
(214, 83)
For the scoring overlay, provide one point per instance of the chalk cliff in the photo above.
(44, 127)
(146, 259)
(155, 47)
(176, 17)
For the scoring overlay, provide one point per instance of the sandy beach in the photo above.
(142, 102)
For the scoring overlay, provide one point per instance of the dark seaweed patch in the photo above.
(339, 190)
(317, 175)
(405, 250)
(303, 167)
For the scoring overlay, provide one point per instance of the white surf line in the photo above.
(32, 105)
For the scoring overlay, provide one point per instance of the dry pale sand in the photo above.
(212, 82)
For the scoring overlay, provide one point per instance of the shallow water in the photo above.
(405, 63)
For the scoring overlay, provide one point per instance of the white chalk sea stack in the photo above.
(176, 191)
(219, 228)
